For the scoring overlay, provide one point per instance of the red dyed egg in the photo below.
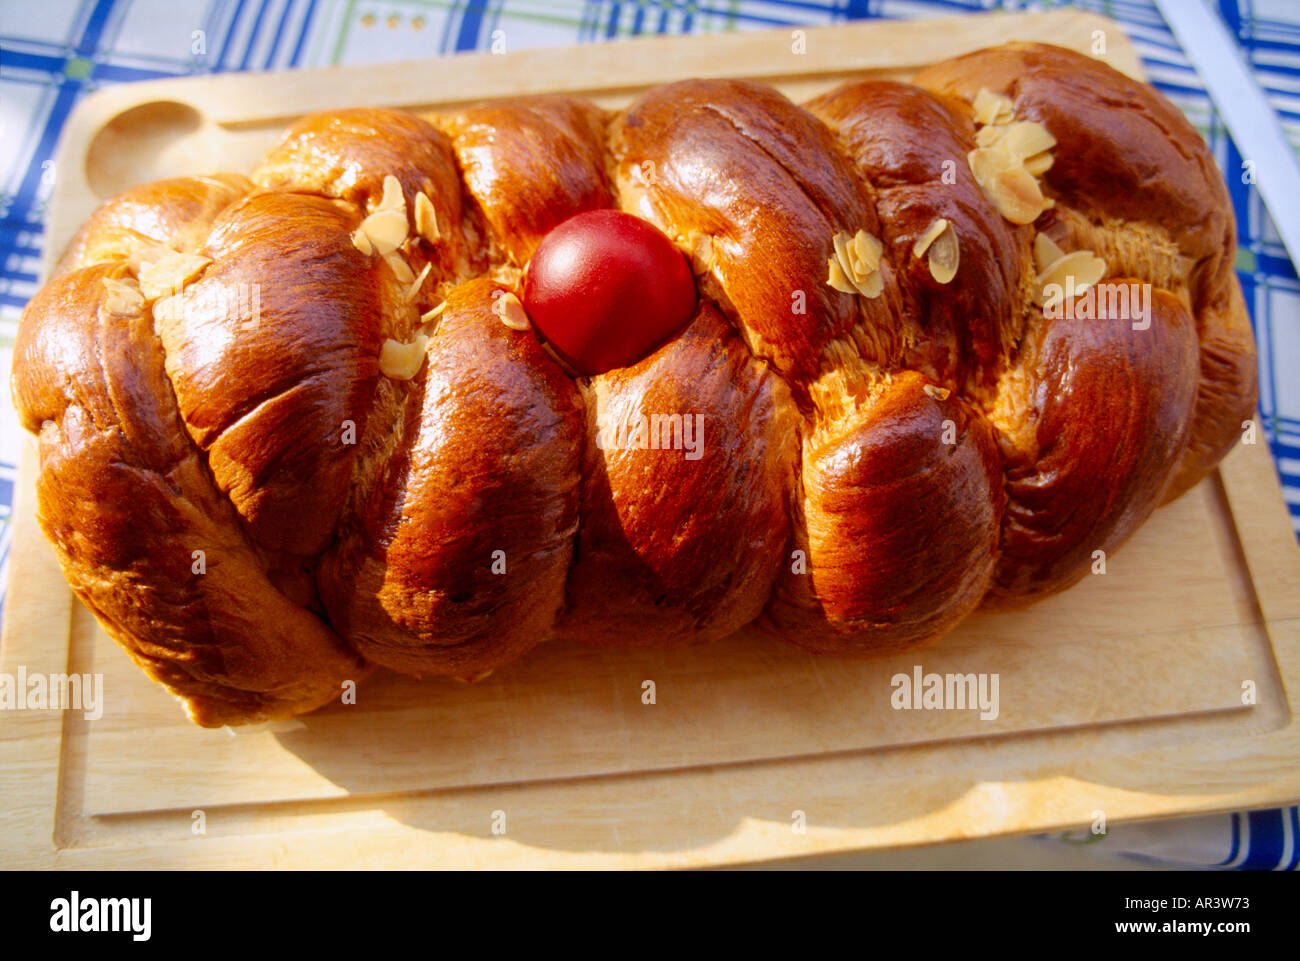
(606, 288)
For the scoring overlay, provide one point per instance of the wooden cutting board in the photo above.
(1123, 696)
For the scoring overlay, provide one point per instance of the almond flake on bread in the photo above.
(124, 295)
(169, 273)
(855, 267)
(401, 361)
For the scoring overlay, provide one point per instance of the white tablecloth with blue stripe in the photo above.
(53, 52)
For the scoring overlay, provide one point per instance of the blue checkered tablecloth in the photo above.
(54, 52)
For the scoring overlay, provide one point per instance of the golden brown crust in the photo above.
(898, 526)
(873, 464)
(1079, 484)
(454, 562)
(267, 373)
(127, 503)
(1228, 387)
(531, 163)
(688, 459)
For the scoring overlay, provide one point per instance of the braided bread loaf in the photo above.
(261, 490)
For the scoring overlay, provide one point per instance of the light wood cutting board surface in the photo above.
(1124, 694)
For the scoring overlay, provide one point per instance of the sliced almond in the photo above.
(1026, 138)
(386, 230)
(840, 242)
(400, 268)
(394, 198)
(1082, 268)
(146, 254)
(413, 291)
(362, 242)
(169, 274)
(985, 163)
(1017, 141)
(837, 277)
(855, 268)
(511, 311)
(1083, 265)
(426, 219)
(124, 295)
(872, 286)
(990, 107)
(1039, 163)
(431, 315)
(1007, 162)
(1046, 252)
(932, 232)
(945, 255)
(936, 392)
(867, 250)
(987, 136)
(1018, 197)
(1012, 189)
(402, 361)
